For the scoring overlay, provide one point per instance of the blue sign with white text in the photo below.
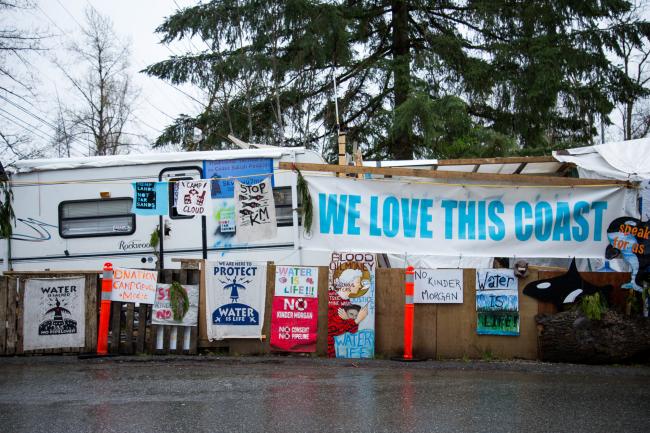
(248, 171)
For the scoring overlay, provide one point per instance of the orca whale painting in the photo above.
(563, 289)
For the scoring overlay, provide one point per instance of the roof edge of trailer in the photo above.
(32, 165)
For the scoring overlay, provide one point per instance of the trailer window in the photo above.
(89, 218)
(283, 208)
(173, 194)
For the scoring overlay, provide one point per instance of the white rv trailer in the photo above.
(76, 213)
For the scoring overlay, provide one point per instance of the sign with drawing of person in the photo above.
(351, 306)
(54, 313)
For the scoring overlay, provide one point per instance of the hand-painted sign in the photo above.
(255, 211)
(629, 239)
(134, 285)
(294, 320)
(367, 215)
(150, 198)
(193, 197)
(438, 286)
(235, 296)
(163, 311)
(54, 313)
(497, 302)
(351, 306)
(245, 170)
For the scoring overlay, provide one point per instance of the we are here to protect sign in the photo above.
(441, 219)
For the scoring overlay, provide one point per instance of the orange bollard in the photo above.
(105, 311)
(408, 312)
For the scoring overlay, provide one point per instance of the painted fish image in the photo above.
(256, 197)
(283, 280)
(251, 204)
(246, 212)
(310, 280)
(243, 197)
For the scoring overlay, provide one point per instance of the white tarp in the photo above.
(54, 313)
(235, 295)
(449, 220)
(624, 160)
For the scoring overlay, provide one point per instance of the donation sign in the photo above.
(397, 216)
(294, 322)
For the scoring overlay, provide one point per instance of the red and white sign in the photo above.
(294, 321)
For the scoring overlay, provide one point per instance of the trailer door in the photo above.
(184, 236)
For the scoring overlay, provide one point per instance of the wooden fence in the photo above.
(441, 330)
(12, 292)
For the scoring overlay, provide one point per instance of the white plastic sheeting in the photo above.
(624, 160)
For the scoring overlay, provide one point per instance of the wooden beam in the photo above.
(455, 175)
(501, 160)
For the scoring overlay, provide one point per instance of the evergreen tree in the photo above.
(416, 78)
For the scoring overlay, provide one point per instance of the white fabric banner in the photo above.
(194, 197)
(255, 211)
(54, 313)
(235, 297)
(450, 220)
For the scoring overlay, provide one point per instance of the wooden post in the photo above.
(342, 159)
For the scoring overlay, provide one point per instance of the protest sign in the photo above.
(448, 220)
(351, 305)
(438, 286)
(150, 198)
(235, 296)
(249, 171)
(54, 313)
(497, 302)
(134, 285)
(187, 308)
(193, 197)
(294, 319)
(255, 211)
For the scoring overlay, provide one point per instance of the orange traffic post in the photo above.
(409, 287)
(105, 311)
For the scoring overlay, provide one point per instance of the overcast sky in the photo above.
(134, 20)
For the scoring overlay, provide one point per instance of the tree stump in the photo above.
(571, 337)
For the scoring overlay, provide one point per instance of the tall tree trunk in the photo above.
(627, 135)
(400, 146)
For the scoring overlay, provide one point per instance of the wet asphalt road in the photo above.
(294, 395)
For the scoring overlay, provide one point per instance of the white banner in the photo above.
(449, 220)
(163, 312)
(438, 286)
(255, 211)
(235, 295)
(54, 313)
(194, 197)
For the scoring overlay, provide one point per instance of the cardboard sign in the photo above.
(294, 321)
(351, 306)
(54, 313)
(497, 302)
(438, 286)
(193, 197)
(235, 296)
(227, 170)
(255, 211)
(162, 313)
(134, 285)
